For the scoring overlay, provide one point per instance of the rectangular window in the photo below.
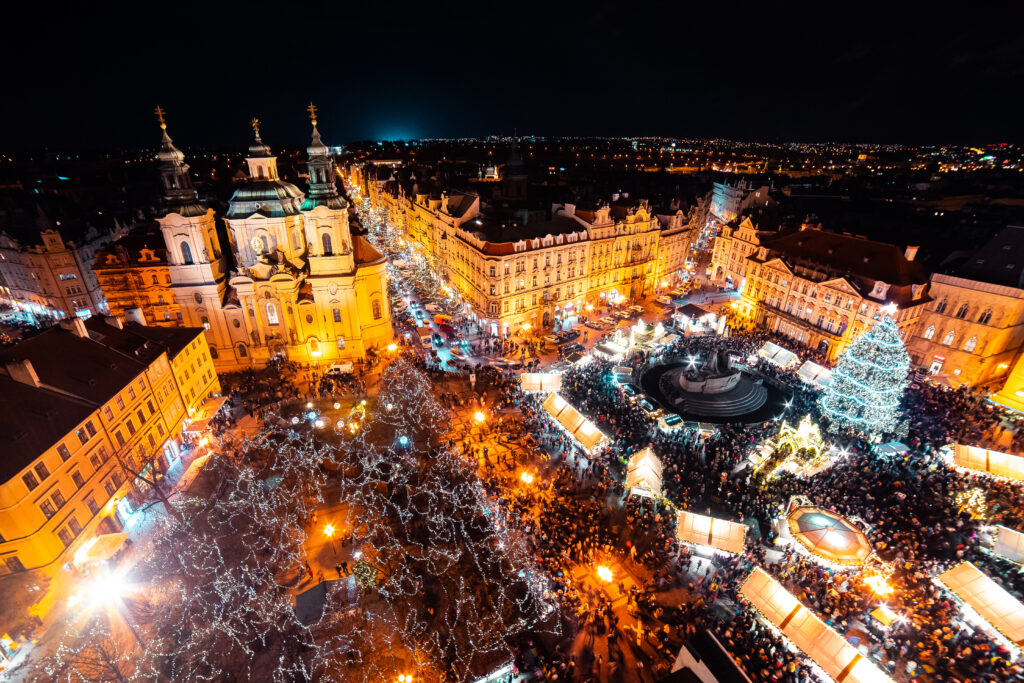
(48, 509)
(341, 342)
(77, 477)
(13, 564)
(149, 404)
(58, 498)
(108, 413)
(41, 470)
(131, 392)
(120, 437)
(118, 477)
(95, 460)
(65, 537)
(76, 528)
(152, 441)
(120, 403)
(131, 427)
(110, 487)
(63, 451)
(142, 416)
(82, 435)
(337, 315)
(91, 503)
(90, 428)
(160, 428)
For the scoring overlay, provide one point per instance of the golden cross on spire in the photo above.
(159, 111)
(312, 112)
(255, 123)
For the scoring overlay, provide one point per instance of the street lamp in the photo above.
(107, 589)
(329, 533)
(479, 416)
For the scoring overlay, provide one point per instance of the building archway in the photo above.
(823, 346)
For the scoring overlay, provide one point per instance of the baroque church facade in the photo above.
(301, 287)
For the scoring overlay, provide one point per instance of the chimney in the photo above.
(911, 253)
(22, 371)
(113, 321)
(76, 326)
(135, 315)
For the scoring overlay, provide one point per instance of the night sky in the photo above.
(88, 77)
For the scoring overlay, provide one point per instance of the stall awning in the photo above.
(991, 462)
(99, 548)
(991, 601)
(812, 373)
(192, 472)
(892, 448)
(210, 407)
(774, 353)
(580, 428)
(541, 381)
(883, 615)
(610, 350)
(197, 426)
(717, 533)
(829, 650)
(1010, 544)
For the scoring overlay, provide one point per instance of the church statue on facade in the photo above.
(294, 282)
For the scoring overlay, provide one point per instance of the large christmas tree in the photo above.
(868, 382)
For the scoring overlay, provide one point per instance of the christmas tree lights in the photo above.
(868, 383)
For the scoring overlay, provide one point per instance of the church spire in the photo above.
(257, 149)
(322, 188)
(177, 192)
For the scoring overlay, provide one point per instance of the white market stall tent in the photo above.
(643, 474)
(720, 534)
(983, 460)
(812, 373)
(987, 599)
(829, 650)
(541, 381)
(774, 353)
(579, 427)
(1010, 544)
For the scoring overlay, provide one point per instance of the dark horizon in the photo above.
(805, 74)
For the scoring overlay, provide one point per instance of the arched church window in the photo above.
(948, 339)
(326, 239)
(930, 332)
(962, 311)
(985, 317)
(376, 309)
(206, 322)
(213, 352)
(971, 344)
(242, 353)
(186, 254)
(271, 313)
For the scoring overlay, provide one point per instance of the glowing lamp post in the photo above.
(107, 590)
(329, 533)
(526, 478)
(479, 416)
(604, 573)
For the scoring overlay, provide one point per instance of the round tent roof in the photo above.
(829, 535)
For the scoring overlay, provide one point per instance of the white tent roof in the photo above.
(1010, 544)
(812, 373)
(992, 462)
(581, 429)
(891, 448)
(986, 597)
(717, 533)
(541, 381)
(828, 649)
(776, 354)
(644, 471)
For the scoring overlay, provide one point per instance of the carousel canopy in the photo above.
(828, 535)
(541, 381)
(717, 533)
(579, 427)
(828, 649)
(1010, 544)
(990, 600)
(991, 462)
(644, 472)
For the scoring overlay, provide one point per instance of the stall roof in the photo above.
(211, 406)
(644, 471)
(812, 373)
(991, 462)
(99, 548)
(580, 428)
(883, 615)
(774, 353)
(717, 533)
(991, 601)
(829, 650)
(541, 381)
(1010, 544)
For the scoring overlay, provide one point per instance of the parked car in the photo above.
(569, 349)
(339, 369)
(667, 300)
(570, 335)
(437, 339)
(630, 391)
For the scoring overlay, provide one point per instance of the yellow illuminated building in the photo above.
(87, 405)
